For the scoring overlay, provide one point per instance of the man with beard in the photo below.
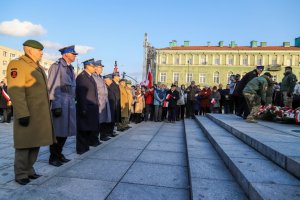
(287, 86)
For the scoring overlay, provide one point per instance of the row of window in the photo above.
(202, 77)
(230, 61)
(5, 63)
(5, 54)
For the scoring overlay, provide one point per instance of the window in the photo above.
(4, 72)
(274, 78)
(164, 60)
(175, 77)
(216, 77)
(4, 62)
(12, 55)
(190, 61)
(289, 62)
(230, 60)
(203, 60)
(245, 60)
(274, 61)
(202, 78)
(259, 61)
(217, 60)
(176, 61)
(189, 77)
(4, 53)
(163, 77)
(229, 74)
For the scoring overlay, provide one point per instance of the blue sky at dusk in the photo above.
(114, 30)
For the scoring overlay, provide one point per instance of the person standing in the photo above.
(62, 85)
(191, 92)
(116, 90)
(159, 97)
(204, 100)
(5, 102)
(103, 103)
(255, 95)
(149, 95)
(32, 128)
(124, 102)
(287, 86)
(87, 108)
(172, 96)
(181, 104)
(215, 100)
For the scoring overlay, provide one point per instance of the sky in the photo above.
(114, 29)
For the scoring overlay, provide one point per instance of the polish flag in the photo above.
(5, 95)
(149, 77)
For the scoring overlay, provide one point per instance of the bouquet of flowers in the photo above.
(282, 114)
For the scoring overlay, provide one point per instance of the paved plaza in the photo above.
(212, 157)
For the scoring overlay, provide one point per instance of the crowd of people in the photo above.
(49, 109)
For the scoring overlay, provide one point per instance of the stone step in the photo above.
(280, 146)
(209, 177)
(259, 177)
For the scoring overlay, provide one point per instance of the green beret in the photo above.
(34, 44)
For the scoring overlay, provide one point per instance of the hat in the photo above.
(128, 82)
(192, 82)
(260, 67)
(69, 49)
(288, 67)
(89, 62)
(34, 44)
(99, 63)
(268, 74)
(107, 76)
(115, 74)
(173, 85)
(123, 79)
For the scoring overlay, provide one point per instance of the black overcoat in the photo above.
(87, 103)
(114, 97)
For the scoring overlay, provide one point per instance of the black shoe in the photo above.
(55, 163)
(63, 159)
(113, 134)
(22, 181)
(105, 138)
(34, 176)
(121, 129)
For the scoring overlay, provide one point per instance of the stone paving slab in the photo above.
(163, 146)
(209, 177)
(125, 191)
(278, 144)
(163, 157)
(250, 171)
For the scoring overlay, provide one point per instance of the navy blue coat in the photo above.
(114, 101)
(87, 103)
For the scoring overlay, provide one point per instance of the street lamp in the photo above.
(188, 76)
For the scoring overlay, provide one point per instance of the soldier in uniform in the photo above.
(287, 86)
(62, 85)
(27, 88)
(104, 109)
(255, 94)
(125, 108)
(130, 103)
(87, 108)
(116, 91)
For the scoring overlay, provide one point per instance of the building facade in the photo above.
(213, 65)
(7, 54)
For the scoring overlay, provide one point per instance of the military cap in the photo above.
(89, 62)
(34, 44)
(123, 79)
(260, 67)
(99, 63)
(268, 74)
(116, 74)
(107, 76)
(288, 67)
(128, 82)
(69, 49)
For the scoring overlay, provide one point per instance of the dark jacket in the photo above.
(243, 82)
(258, 86)
(87, 103)
(3, 101)
(191, 92)
(288, 82)
(174, 96)
(115, 89)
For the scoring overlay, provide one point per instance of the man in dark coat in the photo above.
(116, 90)
(109, 127)
(172, 97)
(5, 103)
(87, 108)
(62, 84)
(287, 86)
(191, 91)
(243, 110)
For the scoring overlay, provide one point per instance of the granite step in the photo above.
(209, 177)
(279, 142)
(259, 177)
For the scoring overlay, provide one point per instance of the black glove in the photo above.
(24, 121)
(57, 112)
(289, 94)
(83, 113)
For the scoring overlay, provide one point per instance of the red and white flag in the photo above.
(148, 81)
(5, 95)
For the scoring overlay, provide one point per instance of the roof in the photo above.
(237, 48)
